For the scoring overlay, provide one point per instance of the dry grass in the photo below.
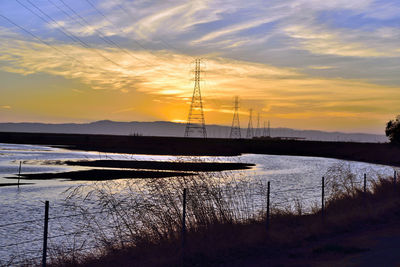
(141, 221)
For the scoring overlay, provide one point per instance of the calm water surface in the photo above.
(291, 178)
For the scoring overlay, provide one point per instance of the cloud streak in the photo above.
(267, 85)
(319, 40)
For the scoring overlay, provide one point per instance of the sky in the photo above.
(305, 64)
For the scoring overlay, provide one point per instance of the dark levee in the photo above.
(380, 153)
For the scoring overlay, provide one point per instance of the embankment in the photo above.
(380, 153)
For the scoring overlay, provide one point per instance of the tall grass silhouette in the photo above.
(140, 221)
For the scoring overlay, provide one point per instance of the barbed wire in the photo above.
(52, 218)
(68, 234)
(78, 214)
(20, 222)
(21, 243)
(245, 208)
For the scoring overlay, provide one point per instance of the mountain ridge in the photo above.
(166, 128)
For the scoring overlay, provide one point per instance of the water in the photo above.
(292, 178)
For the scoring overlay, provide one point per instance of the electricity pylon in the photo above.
(235, 129)
(267, 133)
(264, 131)
(258, 130)
(195, 123)
(250, 131)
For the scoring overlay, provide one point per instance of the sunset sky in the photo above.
(305, 64)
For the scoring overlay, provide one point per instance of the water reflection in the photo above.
(292, 178)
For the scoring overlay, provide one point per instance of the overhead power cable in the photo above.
(65, 31)
(129, 13)
(41, 40)
(84, 23)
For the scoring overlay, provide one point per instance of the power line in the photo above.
(98, 11)
(49, 44)
(89, 27)
(20, 243)
(41, 40)
(46, 21)
(129, 13)
(65, 31)
(21, 222)
(73, 36)
(109, 21)
(64, 12)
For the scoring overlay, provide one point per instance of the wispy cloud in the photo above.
(124, 110)
(235, 29)
(351, 43)
(321, 67)
(225, 77)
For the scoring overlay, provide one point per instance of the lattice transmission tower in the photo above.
(258, 129)
(250, 130)
(195, 125)
(235, 129)
(267, 131)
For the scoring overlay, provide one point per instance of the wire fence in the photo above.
(53, 235)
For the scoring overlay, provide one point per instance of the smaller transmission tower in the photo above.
(235, 129)
(258, 130)
(267, 131)
(264, 131)
(195, 124)
(250, 131)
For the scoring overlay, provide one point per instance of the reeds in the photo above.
(139, 221)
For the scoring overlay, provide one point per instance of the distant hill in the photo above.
(163, 128)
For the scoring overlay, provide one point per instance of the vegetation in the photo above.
(393, 130)
(225, 220)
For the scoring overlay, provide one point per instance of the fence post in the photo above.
(365, 183)
(394, 178)
(184, 220)
(19, 172)
(323, 198)
(268, 214)
(46, 224)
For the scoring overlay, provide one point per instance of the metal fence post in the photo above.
(268, 213)
(323, 197)
(19, 172)
(184, 220)
(365, 183)
(46, 224)
(394, 178)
